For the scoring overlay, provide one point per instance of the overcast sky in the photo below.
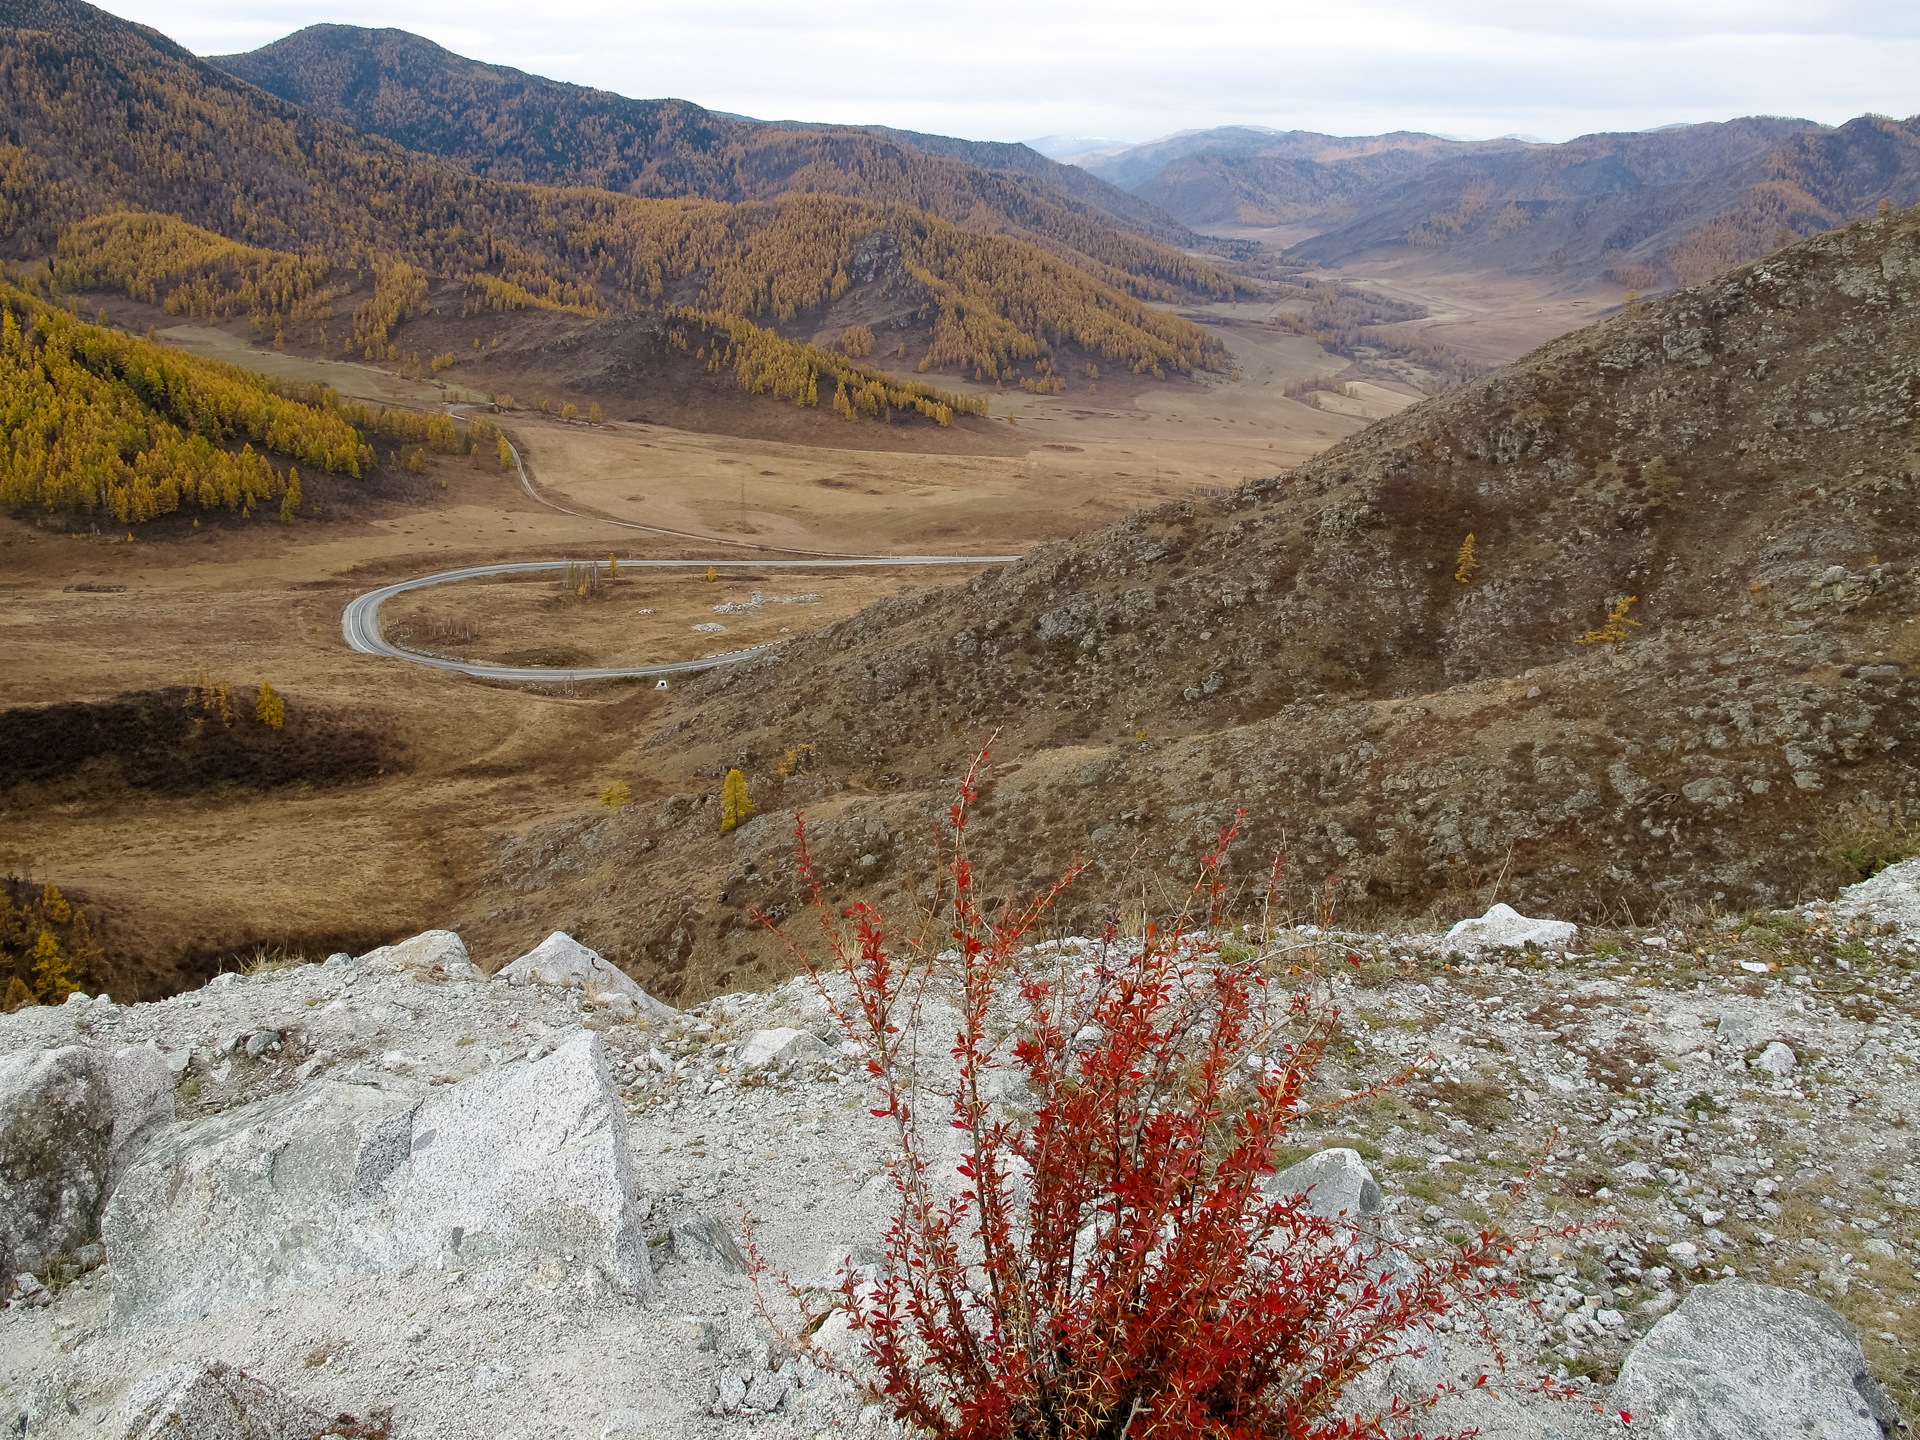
(1133, 71)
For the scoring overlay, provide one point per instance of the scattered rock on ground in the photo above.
(1507, 928)
(1891, 897)
(1336, 1183)
(784, 1045)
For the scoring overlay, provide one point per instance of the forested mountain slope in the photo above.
(100, 115)
(1633, 622)
(510, 125)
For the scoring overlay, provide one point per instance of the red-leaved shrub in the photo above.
(1111, 1263)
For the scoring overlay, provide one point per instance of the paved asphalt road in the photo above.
(361, 622)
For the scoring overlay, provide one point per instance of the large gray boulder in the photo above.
(333, 1179)
(71, 1120)
(1738, 1360)
(277, 1195)
(529, 1156)
(562, 960)
(211, 1400)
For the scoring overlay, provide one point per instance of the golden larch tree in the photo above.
(736, 804)
(268, 707)
(1466, 562)
(52, 982)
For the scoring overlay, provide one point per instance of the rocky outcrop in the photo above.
(430, 955)
(1738, 1360)
(420, 1198)
(71, 1120)
(562, 960)
(334, 1180)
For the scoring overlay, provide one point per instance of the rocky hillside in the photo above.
(1732, 471)
(389, 1196)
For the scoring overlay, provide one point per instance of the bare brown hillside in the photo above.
(1742, 459)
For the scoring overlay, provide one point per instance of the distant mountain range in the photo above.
(1645, 210)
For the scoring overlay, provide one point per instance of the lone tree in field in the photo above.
(735, 804)
(268, 707)
(506, 454)
(1108, 1261)
(616, 796)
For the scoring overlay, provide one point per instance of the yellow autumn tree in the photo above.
(506, 454)
(1466, 562)
(616, 796)
(52, 982)
(290, 501)
(54, 905)
(268, 707)
(594, 415)
(17, 995)
(736, 804)
(1614, 629)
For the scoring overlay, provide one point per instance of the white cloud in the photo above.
(1139, 68)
